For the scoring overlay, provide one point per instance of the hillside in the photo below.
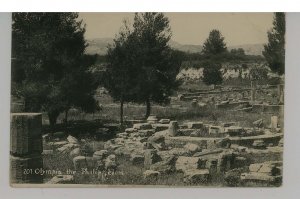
(99, 46)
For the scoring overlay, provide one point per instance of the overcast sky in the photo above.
(190, 28)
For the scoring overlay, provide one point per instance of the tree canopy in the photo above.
(49, 67)
(214, 44)
(142, 64)
(274, 51)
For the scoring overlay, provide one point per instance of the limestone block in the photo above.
(26, 134)
(23, 170)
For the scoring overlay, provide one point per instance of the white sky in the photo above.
(190, 28)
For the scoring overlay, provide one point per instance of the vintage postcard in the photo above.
(147, 99)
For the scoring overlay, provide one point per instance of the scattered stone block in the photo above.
(75, 152)
(72, 139)
(152, 119)
(186, 163)
(59, 144)
(19, 166)
(164, 121)
(195, 134)
(79, 162)
(150, 174)
(26, 133)
(192, 148)
(274, 122)
(234, 130)
(146, 133)
(195, 125)
(142, 126)
(110, 163)
(100, 155)
(130, 130)
(151, 157)
(185, 132)
(215, 130)
(196, 176)
(61, 179)
(259, 144)
(173, 128)
(160, 127)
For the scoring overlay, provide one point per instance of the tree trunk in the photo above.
(66, 116)
(52, 119)
(148, 108)
(121, 111)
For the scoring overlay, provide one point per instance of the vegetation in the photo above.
(274, 51)
(212, 74)
(141, 65)
(214, 45)
(49, 67)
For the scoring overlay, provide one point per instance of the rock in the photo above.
(110, 163)
(259, 144)
(100, 155)
(166, 165)
(257, 177)
(160, 127)
(173, 128)
(164, 121)
(195, 134)
(137, 159)
(196, 176)
(142, 126)
(79, 162)
(184, 163)
(255, 167)
(195, 125)
(215, 130)
(151, 157)
(67, 147)
(61, 179)
(228, 124)
(223, 143)
(72, 139)
(274, 122)
(122, 135)
(234, 130)
(60, 143)
(192, 148)
(130, 130)
(149, 174)
(185, 132)
(75, 152)
(146, 133)
(152, 119)
(157, 141)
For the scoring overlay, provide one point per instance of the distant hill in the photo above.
(250, 49)
(99, 46)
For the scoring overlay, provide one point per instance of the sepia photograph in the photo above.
(172, 99)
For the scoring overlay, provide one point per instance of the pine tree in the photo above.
(274, 51)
